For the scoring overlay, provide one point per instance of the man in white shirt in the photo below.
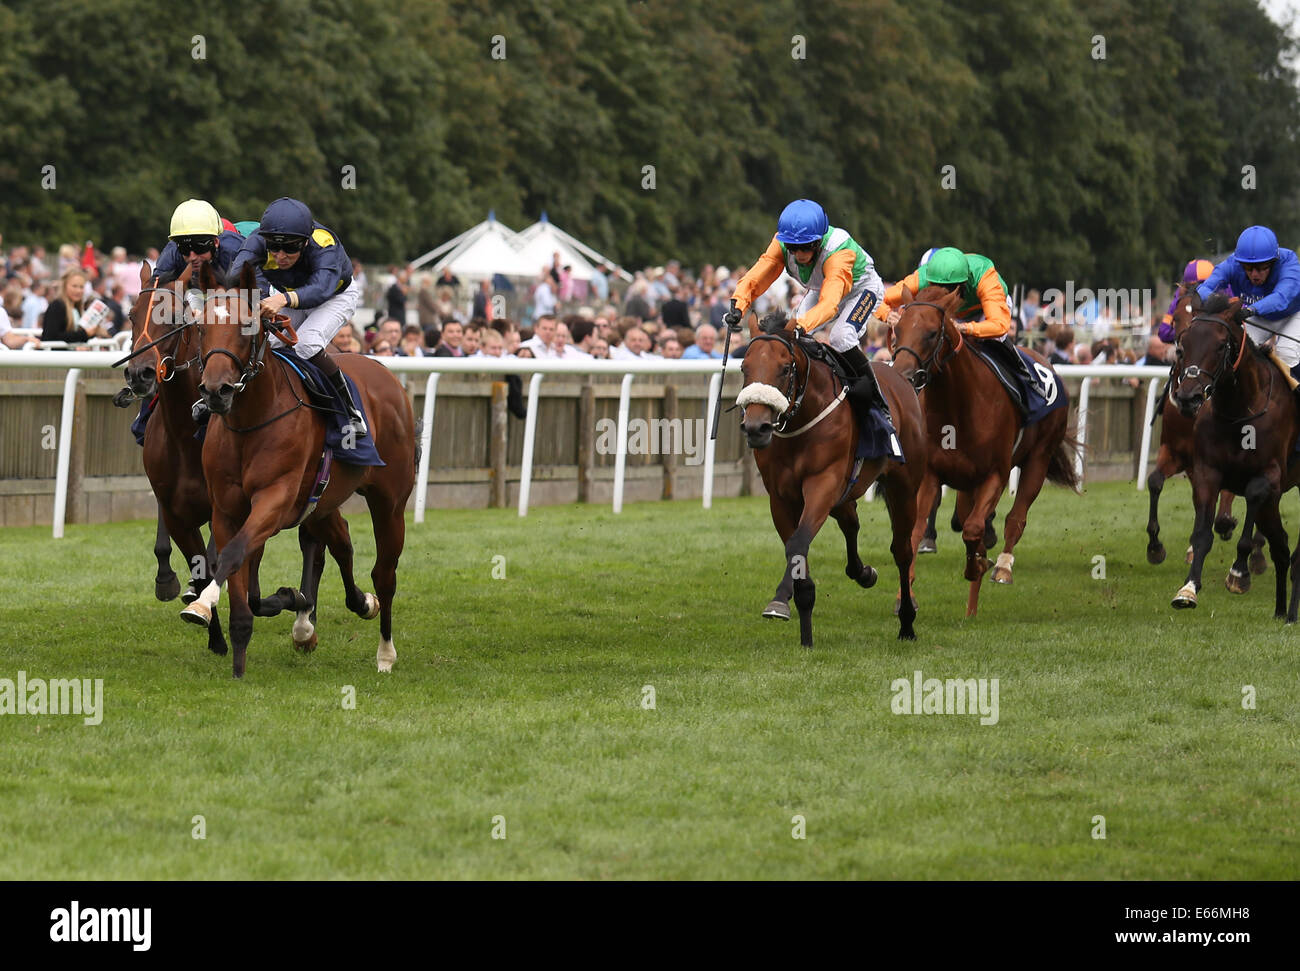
(543, 298)
(543, 339)
(34, 304)
(635, 347)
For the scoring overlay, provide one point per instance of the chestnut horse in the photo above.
(804, 437)
(262, 456)
(1175, 457)
(974, 432)
(1246, 419)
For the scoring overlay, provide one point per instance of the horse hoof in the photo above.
(1237, 582)
(190, 595)
(166, 590)
(1225, 526)
(372, 607)
(1000, 575)
(1185, 598)
(197, 613)
(867, 578)
(307, 646)
(927, 546)
(1258, 563)
(1156, 554)
(777, 610)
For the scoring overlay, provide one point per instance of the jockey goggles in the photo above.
(284, 244)
(195, 244)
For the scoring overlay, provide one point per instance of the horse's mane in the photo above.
(774, 323)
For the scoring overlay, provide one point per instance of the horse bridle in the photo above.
(932, 363)
(1195, 371)
(167, 366)
(794, 391)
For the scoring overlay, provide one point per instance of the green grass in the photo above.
(521, 697)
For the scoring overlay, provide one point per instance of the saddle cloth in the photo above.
(1037, 399)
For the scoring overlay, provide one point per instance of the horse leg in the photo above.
(165, 584)
(1033, 473)
(334, 532)
(818, 494)
(785, 517)
(931, 536)
(1263, 496)
(199, 577)
(313, 562)
(1238, 578)
(388, 518)
(984, 499)
(284, 598)
(901, 502)
(1225, 522)
(846, 514)
(1205, 486)
(1165, 467)
(927, 497)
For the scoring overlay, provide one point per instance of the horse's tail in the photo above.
(1063, 467)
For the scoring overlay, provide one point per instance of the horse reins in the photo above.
(167, 366)
(795, 391)
(921, 376)
(1211, 385)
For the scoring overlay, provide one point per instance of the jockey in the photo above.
(1267, 278)
(197, 236)
(1197, 271)
(312, 276)
(983, 312)
(841, 278)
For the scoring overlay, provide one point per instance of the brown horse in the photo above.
(262, 456)
(1175, 457)
(804, 443)
(165, 362)
(1246, 420)
(974, 432)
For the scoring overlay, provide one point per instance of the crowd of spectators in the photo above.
(665, 312)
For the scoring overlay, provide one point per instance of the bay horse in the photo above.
(1246, 419)
(804, 445)
(262, 455)
(1175, 457)
(973, 431)
(165, 362)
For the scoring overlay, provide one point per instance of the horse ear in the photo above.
(187, 274)
(1194, 296)
(207, 278)
(908, 296)
(145, 273)
(951, 302)
(248, 283)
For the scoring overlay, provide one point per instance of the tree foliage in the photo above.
(1067, 165)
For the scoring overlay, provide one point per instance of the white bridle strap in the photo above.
(763, 394)
(825, 411)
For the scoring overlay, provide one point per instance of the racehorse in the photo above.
(1175, 456)
(804, 446)
(262, 455)
(1244, 436)
(164, 362)
(973, 432)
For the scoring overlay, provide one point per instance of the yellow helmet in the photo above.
(194, 217)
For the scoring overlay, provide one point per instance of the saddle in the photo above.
(346, 448)
(998, 356)
(877, 435)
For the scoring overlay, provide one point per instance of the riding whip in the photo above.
(717, 406)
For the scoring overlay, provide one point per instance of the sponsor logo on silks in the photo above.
(132, 925)
(58, 696)
(862, 312)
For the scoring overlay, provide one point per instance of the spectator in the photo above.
(125, 274)
(482, 306)
(412, 343)
(449, 279)
(636, 346)
(390, 330)
(452, 334)
(540, 345)
(426, 307)
(493, 344)
(345, 341)
(382, 348)
(544, 297)
(584, 335)
(396, 295)
(705, 346)
(600, 283)
(600, 349)
(674, 312)
(672, 349)
(35, 304)
(63, 319)
(1157, 354)
(473, 339)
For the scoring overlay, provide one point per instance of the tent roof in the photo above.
(479, 253)
(543, 238)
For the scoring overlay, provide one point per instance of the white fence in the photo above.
(433, 367)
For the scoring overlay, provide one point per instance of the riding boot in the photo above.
(863, 390)
(336, 377)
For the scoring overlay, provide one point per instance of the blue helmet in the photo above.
(1256, 244)
(286, 217)
(925, 257)
(801, 222)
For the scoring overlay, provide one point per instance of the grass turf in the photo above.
(522, 698)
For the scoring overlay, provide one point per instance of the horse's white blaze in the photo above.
(386, 655)
(210, 595)
(763, 394)
(302, 628)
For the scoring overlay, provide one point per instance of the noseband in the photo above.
(167, 367)
(1195, 371)
(932, 363)
(794, 390)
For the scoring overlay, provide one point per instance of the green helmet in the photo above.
(947, 266)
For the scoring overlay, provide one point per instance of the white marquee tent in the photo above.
(543, 239)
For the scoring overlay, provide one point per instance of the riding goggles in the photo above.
(284, 244)
(195, 244)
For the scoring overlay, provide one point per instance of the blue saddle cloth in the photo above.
(1036, 399)
(141, 420)
(346, 447)
(877, 437)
